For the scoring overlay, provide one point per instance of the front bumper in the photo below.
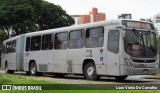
(138, 71)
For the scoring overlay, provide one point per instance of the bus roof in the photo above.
(73, 27)
(10, 39)
(82, 26)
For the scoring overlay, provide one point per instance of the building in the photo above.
(77, 19)
(93, 16)
(125, 16)
(156, 22)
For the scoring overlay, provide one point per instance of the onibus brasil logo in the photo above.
(21, 87)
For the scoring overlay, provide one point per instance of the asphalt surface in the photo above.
(72, 79)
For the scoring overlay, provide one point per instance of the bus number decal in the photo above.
(89, 53)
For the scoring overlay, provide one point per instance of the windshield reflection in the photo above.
(140, 43)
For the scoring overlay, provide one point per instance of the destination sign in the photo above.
(137, 24)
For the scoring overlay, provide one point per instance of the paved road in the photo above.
(71, 79)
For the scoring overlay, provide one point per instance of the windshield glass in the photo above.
(140, 43)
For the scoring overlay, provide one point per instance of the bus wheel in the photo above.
(121, 78)
(33, 69)
(90, 71)
(7, 70)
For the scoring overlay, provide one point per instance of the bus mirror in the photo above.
(123, 33)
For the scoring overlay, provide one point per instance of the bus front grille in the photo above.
(144, 61)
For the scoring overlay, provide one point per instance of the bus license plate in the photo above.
(145, 71)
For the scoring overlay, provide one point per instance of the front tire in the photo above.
(90, 71)
(7, 70)
(33, 69)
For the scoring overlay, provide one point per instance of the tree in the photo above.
(52, 16)
(2, 37)
(24, 16)
(17, 15)
(147, 20)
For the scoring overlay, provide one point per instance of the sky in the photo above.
(112, 8)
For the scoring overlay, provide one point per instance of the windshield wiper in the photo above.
(141, 39)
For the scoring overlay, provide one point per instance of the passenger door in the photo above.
(14, 55)
(75, 52)
(113, 53)
(60, 52)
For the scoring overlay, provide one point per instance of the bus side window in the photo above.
(94, 37)
(13, 46)
(113, 41)
(35, 43)
(60, 41)
(47, 42)
(28, 43)
(76, 39)
(8, 47)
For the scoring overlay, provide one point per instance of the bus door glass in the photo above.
(14, 54)
(113, 52)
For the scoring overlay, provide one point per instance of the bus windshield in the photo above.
(139, 43)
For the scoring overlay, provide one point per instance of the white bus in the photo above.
(115, 48)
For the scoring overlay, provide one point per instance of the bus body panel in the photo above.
(75, 60)
(11, 61)
(14, 59)
(60, 60)
(98, 56)
(112, 64)
(20, 52)
(43, 60)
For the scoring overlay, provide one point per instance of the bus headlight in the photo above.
(129, 64)
(157, 64)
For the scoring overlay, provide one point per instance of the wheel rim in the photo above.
(33, 69)
(90, 71)
(6, 68)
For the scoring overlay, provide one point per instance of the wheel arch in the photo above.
(31, 62)
(5, 63)
(85, 62)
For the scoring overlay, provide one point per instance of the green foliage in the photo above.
(17, 15)
(19, 79)
(147, 20)
(31, 15)
(53, 16)
(2, 37)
